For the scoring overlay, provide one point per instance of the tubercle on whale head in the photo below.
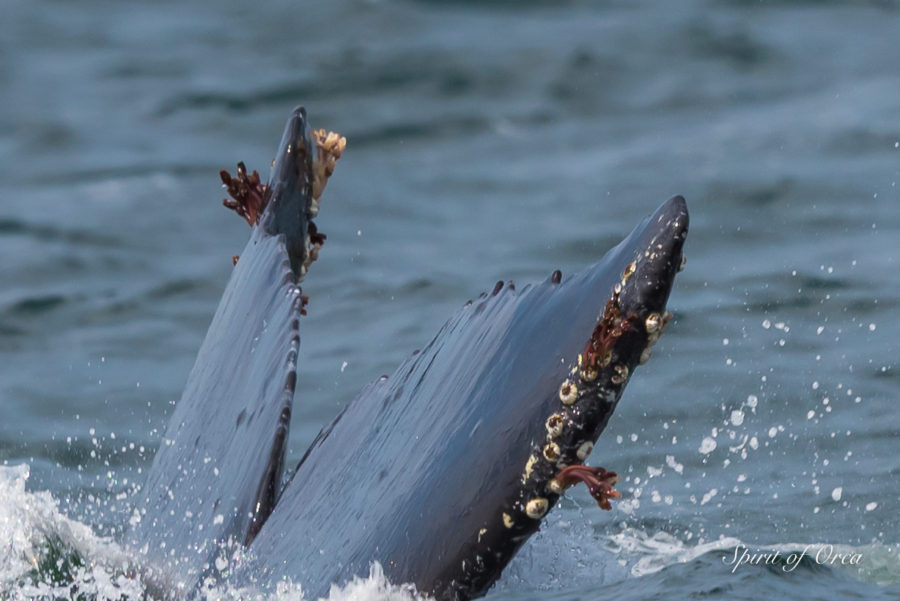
(287, 204)
(631, 322)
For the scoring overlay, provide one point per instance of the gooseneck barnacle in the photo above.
(599, 482)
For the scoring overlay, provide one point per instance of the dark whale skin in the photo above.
(423, 468)
(219, 468)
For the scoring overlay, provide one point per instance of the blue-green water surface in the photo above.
(486, 141)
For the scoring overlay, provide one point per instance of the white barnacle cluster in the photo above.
(329, 148)
(536, 508)
(584, 382)
(584, 450)
(655, 325)
(554, 425)
(620, 374)
(589, 374)
(568, 392)
(552, 452)
(582, 376)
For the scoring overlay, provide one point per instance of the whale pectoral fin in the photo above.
(215, 477)
(217, 474)
(441, 471)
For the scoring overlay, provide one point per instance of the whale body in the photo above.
(440, 471)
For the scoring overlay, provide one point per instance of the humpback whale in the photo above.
(439, 472)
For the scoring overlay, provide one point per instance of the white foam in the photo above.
(374, 587)
(30, 523)
(568, 545)
(651, 553)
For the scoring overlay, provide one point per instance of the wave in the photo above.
(49, 555)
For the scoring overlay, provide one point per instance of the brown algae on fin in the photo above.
(610, 327)
(249, 196)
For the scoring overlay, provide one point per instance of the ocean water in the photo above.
(486, 141)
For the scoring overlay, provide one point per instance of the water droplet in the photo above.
(707, 446)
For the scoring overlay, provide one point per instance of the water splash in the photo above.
(49, 555)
